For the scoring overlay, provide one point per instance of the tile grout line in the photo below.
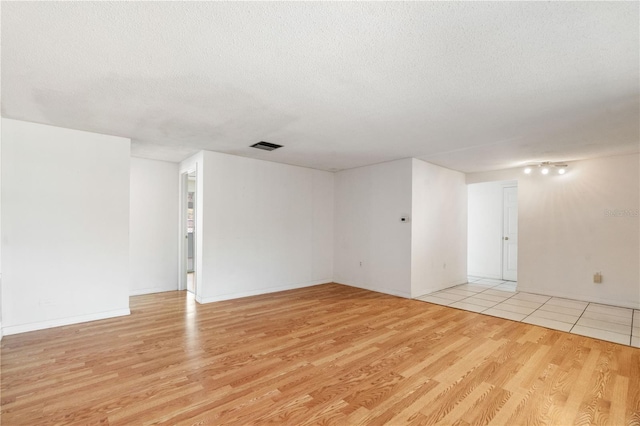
(583, 311)
(605, 321)
(537, 309)
(466, 297)
(497, 303)
(514, 294)
(455, 301)
(485, 308)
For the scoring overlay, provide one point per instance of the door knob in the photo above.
(506, 238)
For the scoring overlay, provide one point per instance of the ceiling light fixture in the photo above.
(545, 168)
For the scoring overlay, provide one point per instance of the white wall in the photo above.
(564, 236)
(65, 225)
(261, 226)
(372, 247)
(439, 228)
(153, 237)
(485, 210)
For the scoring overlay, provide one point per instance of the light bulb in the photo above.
(561, 171)
(527, 170)
(544, 171)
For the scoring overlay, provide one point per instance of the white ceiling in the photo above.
(471, 86)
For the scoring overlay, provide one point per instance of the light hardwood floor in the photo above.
(325, 354)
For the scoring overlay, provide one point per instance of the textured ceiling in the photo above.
(471, 86)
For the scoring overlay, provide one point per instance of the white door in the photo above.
(510, 234)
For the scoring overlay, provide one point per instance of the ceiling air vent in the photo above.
(267, 146)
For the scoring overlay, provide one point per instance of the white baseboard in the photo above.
(603, 301)
(389, 291)
(150, 290)
(441, 287)
(483, 275)
(241, 294)
(23, 328)
(1, 331)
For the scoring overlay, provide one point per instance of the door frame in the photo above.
(506, 186)
(182, 232)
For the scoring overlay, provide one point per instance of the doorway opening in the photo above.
(492, 246)
(188, 252)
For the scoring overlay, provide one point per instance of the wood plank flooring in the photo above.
(328, 354)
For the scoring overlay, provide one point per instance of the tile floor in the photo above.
(501, 299)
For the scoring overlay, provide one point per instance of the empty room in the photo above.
(344, 213)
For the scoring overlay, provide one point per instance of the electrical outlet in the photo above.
(597, 278)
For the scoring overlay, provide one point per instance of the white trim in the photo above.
(182, 231)
(487, 276)
(572, 296)
(506, 185)
(1, 334)
(16, 329)
(230, 296)
(182, 228)
(445, 286)
(388, 291)
(509, 183)
(150, 290)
